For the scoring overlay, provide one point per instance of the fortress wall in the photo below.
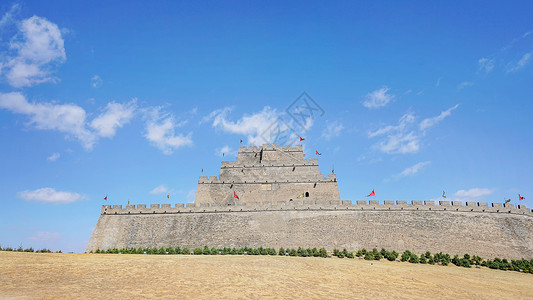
(318, 204)
(217, 192)
(455, 231)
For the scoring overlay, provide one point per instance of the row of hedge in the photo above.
(220, 251)
(21, 249)
(467, 261)
(440, 258)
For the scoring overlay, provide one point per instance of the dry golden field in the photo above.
(115, 276)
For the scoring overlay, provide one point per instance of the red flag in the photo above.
(235, 195)
(520, 197)
(316, 153)
(371, 194)
(222, 154)
(105, 198)
(202, 170)
(333, 170)
(241, 141)
(301, 139)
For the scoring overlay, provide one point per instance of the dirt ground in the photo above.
(115, 276)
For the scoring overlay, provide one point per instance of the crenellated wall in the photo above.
(284, 201)
(267, 173)
(310, 204)
(489, 230)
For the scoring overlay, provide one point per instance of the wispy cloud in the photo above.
(38, 46)
(430, 122)
(53, 157)
(520, 64)
(404, 121)
(437, 84)
(50, 195)
(378, 98)
(413, 169)
(332, 130)
(464, 84)
(472, 194)
(70, 118)
(486, 64)
(225, 151)
(161, 131)
(96, 81)
(9, 16)
(115, 115)
(159, 190)
(45, 237)
(405, 137)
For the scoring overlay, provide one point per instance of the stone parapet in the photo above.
(306, 204)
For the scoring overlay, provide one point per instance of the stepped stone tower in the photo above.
(269, 173)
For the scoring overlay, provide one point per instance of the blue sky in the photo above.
(133, 99)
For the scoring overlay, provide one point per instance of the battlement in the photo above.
(309, 204)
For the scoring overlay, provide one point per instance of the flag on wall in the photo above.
(302, 195)
(443, 194)
(302, 139)
(168, 196)
(316, 153)
(520, 197)
(371, 194)
(507, 200)
(333, 170)
(235, 195)
(105, 198)
(241, 141)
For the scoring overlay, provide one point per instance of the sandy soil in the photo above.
(115, 276)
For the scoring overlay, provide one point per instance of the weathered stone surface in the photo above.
(284, 201)
(485, 234)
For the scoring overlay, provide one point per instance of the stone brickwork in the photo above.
(269, 213)
(494, 232)
(267, 173)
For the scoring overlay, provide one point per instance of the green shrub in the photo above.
(369, 256)
(323, 252)
(406, 255)
(198, 251)
(423, 259)
(414, 259)
(281, 251)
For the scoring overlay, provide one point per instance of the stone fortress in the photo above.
(272, 196)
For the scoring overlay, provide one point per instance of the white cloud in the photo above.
(404, 121)
(38, 45)
(398, 139)
(400, 143)
(257, 126)
(430, 122)
(115, 115)
(332, 130)
(49, 195)
(472, 194)
(413, 169)
(96, 81)
(159, 190)
(464, 84)
(437, 84)
(53, 157)
(160, 131)
(378, 98)
(45, 237)
(520, 64)
(225, 151)
(486, 64)
(70, 118)
(8, 17)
